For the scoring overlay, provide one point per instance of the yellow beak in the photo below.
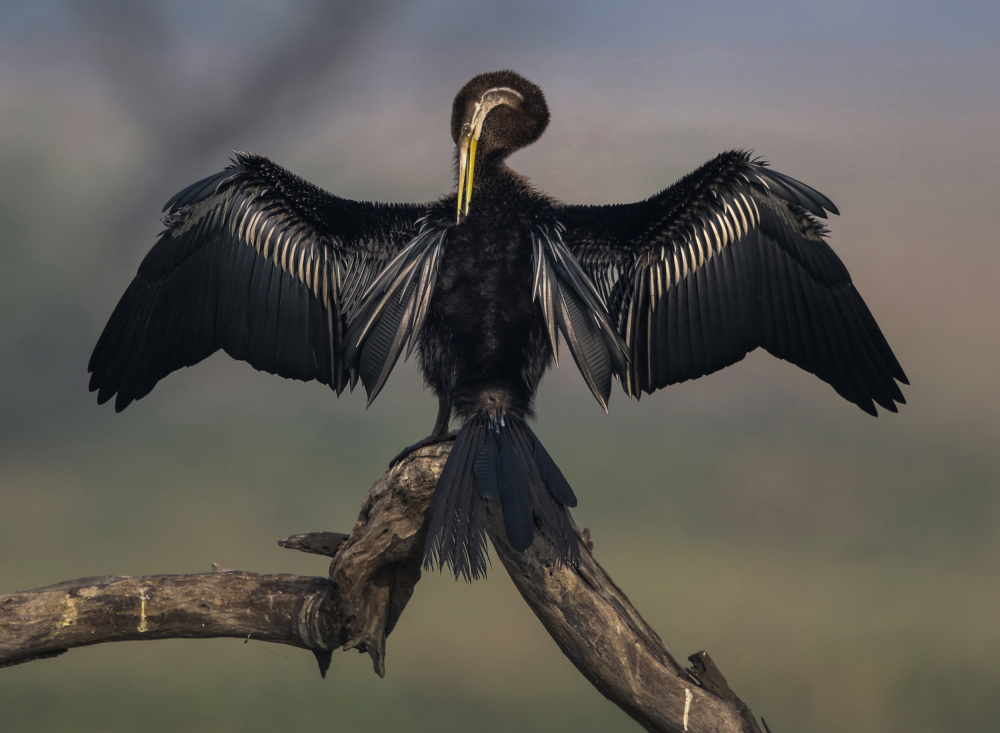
(466, 166)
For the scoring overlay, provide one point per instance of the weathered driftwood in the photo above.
(46, 622)
(596, 626)
(372, 576)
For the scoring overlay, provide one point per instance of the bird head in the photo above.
(493, 115)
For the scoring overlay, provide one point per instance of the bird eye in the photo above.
(466, 129)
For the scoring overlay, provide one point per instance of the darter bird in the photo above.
(484, 283)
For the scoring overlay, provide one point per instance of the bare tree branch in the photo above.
(372, 577)
(600, 631)
(48, 621)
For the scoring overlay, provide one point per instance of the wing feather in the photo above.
(572, 305)
(730, 258)
(254, 261)
(393, 308)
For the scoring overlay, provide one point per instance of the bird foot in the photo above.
(429, 440)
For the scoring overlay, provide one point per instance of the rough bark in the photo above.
(46, 622)
(372, 577)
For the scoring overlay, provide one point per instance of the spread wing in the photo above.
(257, 262)
(730, 258)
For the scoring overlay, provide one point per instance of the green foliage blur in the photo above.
(841, 570)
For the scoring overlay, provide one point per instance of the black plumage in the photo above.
(485, 283)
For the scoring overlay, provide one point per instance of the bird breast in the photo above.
(483, 324)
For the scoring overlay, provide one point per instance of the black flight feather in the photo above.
(740, 240)
(248, 256)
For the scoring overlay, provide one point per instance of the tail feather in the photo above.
(547, 488)
(518, 485)
(487, 481)
(551, 475)
(456, 535)
(503, 460)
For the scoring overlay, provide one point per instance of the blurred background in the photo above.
(842, 570)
